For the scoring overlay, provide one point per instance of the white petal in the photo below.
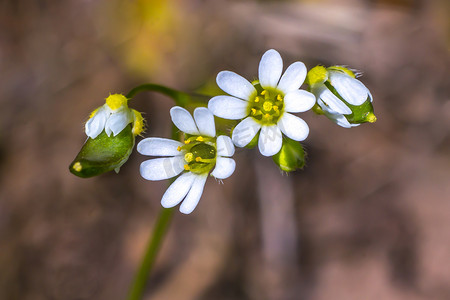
(228, 107)
(225, 146)
(293, 77)
(270, 140)
(224, 167)
(162, 168)
(299, 101)
(183, 120)
(350, 89)
(245, 131)
(293, 127)
(195, 193)
(340, 120)
(270, 68)
(205, 121)
(159, 147)
(178, 190)
(118, 121)
(95, 125)
(334, 103)
(235, 84)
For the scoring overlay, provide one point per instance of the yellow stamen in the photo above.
(138, 124)
(199, 139)
(189, 157)
(187, 168)
(267, 106)
(279, 98)
(93, 113)
(275, 108)
(198, 159)
(187, 141)
(179, 148)
(116, 101)
(263, 92)
(267, 116)
(77, 166)
(257, 99)
(371, 118)
(253, 111)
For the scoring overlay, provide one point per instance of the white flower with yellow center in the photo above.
(265, 106)
(113, 117)
(200, 153)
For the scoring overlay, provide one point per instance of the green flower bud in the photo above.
(291, 156)
(340, 96)
(103, 154)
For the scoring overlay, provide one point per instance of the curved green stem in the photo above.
(182, 99)
(151, 252)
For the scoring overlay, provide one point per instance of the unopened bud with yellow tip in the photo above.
(340, 96)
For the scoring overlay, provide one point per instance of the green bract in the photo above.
(103, 154)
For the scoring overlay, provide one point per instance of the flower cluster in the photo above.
(265, 113)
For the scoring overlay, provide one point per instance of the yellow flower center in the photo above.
(266, 106)
(116, 101)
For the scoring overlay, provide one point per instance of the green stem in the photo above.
(165, 216)
(182, 99)
(141, 278)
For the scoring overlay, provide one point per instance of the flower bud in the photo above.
(340, 96)
(291, 156)
(103, 153)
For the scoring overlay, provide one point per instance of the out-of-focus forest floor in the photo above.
(368, 218)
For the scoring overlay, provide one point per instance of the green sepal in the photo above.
(253, 142)
(103, 154)
(360, 113)
(291, 156)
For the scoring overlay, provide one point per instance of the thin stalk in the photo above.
(143, 273)
(165, 216)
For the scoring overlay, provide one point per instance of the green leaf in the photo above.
(103, 154)
(291, 156)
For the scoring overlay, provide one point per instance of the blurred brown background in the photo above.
(368, 218)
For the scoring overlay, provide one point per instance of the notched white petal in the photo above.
(162, 168)
(205, 121)
(118, 121)
(225, 146)
(333, 102)
(95, 125)
(194, 195)
(270, 140)
(224, 167)
(293, 127)
(178, 190)
(299, 101)
(235, 85)
(183, 120)
(245, 131)
(159, 147)
(350, 89)
(293, 77)
(228, 107)
(270, 68)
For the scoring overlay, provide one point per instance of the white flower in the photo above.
(195, 158)
(338, 92)
(266, 106)
(113, 117)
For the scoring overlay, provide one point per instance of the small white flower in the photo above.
(195, 158)
(113, 117)
(265, 106)
(337, 89)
